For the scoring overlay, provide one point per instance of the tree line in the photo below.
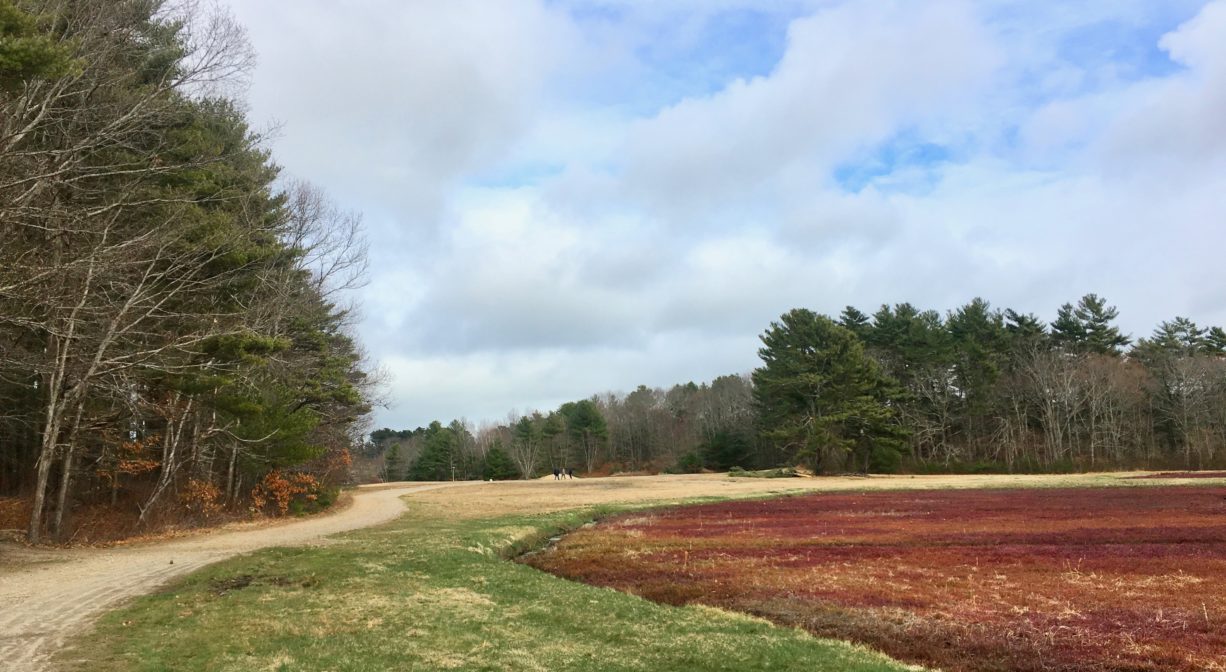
(173, 338)
(991, 389)
(902, 389)
(685, 428)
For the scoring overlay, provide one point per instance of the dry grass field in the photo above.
(434, 589)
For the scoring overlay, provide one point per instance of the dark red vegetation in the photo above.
(1071, 579)
(1185, 474)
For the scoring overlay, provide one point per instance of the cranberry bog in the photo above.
(1088, 579)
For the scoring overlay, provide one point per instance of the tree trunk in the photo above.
(66, 474)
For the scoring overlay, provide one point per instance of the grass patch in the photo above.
(432, 592)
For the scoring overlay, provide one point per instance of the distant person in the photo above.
(570, 472)
(557, 474)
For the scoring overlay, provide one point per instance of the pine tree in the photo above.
(1215, 340)
(820, 397)
(1024, 328)
(586, 428)
(498, 465)
(1101, 336)
(437, 459)
(393, 464)
(856, 322)
(1181, 334)
(1067, 331)
(1088, 327)
(27, 52)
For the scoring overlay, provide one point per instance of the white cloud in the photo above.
(851, 76)
(1178, 122)
(393, 101)
(541, 236)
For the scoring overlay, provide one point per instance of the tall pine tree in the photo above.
(821, 398)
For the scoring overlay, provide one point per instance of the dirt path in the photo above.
(48, 596)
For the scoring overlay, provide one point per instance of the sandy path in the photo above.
(48, 596)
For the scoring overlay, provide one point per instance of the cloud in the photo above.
(850, 77)
(578, 196)
(394, 102)
(1178, 121)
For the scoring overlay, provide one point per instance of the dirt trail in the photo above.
(47, 596)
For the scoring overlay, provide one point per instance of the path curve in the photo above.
(43, 604)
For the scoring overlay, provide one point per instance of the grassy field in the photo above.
(432, 593)
(434, 590)
(1087, 579)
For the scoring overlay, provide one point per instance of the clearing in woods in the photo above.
(431, 590)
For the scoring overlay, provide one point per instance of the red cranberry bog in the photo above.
(1035, 579)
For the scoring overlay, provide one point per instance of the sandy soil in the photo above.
(49, 595)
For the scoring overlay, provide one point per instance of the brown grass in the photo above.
(546, 495)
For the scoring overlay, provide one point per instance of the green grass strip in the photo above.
(434, 594)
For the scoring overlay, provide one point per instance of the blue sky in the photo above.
(565, 198)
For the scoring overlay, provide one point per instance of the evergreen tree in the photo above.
(1024, 330)
(1215, 340)
(553, 433)
(498, 465)
(726, 449)
(27, 51)
(437, 459)
(856, 322)
(393, 464)
(1067, 331)
(132, 190)
(979, 337)
(1088, 327)
(910, 344)
(1102, 337)
(820, 397)
(1181, 335)
(586, 428)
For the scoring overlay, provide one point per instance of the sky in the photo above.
(564, 198)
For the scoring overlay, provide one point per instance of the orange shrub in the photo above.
(201, 498)
(281, 490)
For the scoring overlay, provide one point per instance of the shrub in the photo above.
(498, 465)
(783, 472)
(884, 460)
(724, 450)
(201, 498)
(281, 490)
(689, 463)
